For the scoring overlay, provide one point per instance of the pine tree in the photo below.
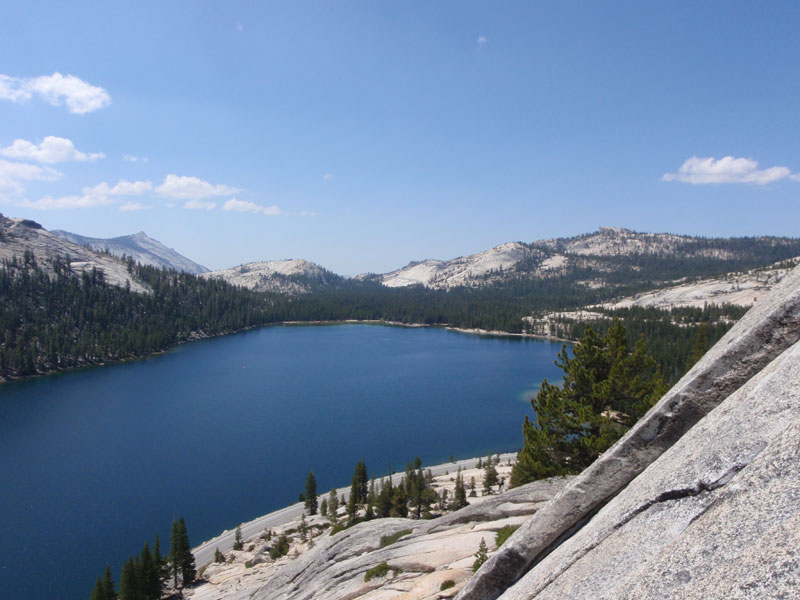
(180, 555)
(238, 544)
(108, 585)
(699, 347)
(188, 572)
(159, 563)
(98, 593)
(323, 507)
(219, 557)
(399, 502)
(333, 504)
(384, 502)
(480, 556)
(606, 388)
(352, 509)
(460, 492)
(148, 575)
(489, 477)
(311, 494)
(128, 583)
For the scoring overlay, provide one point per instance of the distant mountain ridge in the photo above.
(140, 247)
(290, 276)
(607, 250)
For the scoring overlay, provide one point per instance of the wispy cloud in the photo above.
(52, 150)
(309, 213)
(328, 176)
(132, 159)
(59, 90)
(122, 188)
(704, 170)
(199, 205)
(101, 194)
(192, 188)
(239, 26)
(13, 176)
(245, 206)
(482, 41)
(67, 202)
(133, 206)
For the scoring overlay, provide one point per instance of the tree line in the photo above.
(148, 575)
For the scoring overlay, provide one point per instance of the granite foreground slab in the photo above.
(716, 516)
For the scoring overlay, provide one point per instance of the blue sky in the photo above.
(362, 135)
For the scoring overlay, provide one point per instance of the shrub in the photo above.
(504, 533)
(388, 540)
(381, 570)
(446, 585)
(281, 548)
(248, 564)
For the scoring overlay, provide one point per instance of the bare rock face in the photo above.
(20, 235)
(279, 276)
(716, 516)
(766, 331)
(140, 247)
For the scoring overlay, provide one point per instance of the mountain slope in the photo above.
(139, 246)
(18, 236)
(465, 270)
(292, 276)
(609, 256)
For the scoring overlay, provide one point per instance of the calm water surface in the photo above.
(94, 463)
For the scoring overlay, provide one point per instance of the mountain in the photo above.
(463, 271)
(140, 247)
(609, 255)
(293, 276)
(19, 237)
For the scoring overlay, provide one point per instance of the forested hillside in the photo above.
(58, 313)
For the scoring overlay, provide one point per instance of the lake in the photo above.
(93, 463)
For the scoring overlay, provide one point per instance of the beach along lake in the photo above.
(93, 463)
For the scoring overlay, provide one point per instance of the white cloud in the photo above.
(242, 206)
(52, 150)
(123, 188)
(701, 170)
(79, 96)
(482, 41)
(101, 194)
(200, 205)
(328, 176)
(132, 206)
(13, 174)
(68, 202)
(252, 207)
(192, 188)
(132, 159)
(239, 26)
(309, 213)
(272, 211)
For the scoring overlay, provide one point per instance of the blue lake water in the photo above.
(95, 462)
